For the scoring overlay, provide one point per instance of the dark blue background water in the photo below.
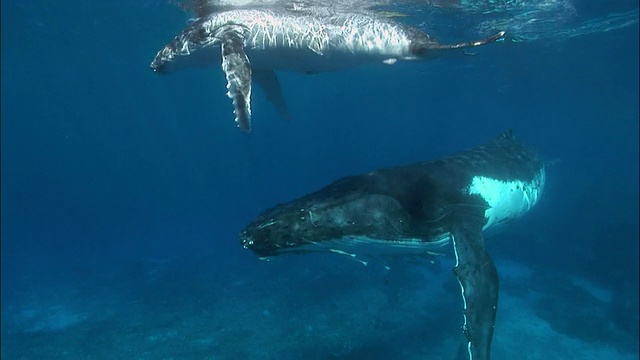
(105, 162)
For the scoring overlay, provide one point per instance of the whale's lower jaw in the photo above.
(360, 247)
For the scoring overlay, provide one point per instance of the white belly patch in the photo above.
(507, 199)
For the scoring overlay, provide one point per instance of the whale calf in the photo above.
(250, 43)
(417, 209)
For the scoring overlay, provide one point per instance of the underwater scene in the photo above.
(320, 179)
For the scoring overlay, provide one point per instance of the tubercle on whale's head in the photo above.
(157, 65)
(287, 227)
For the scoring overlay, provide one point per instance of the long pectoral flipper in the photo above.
(237, 70)
(478, 279)
(268, 81)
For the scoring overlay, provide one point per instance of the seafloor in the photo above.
(306, 307)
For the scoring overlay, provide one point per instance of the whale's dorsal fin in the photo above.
(478, 280)
(268, 82)
(237, 70)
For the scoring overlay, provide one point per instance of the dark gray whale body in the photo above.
(415, 209)
(253, 42)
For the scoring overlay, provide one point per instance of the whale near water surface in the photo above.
(250, 44)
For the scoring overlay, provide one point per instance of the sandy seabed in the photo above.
(310, 307)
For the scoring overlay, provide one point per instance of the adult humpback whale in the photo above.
(417, 209)
(253, 42)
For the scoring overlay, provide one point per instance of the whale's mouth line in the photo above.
(361, 246)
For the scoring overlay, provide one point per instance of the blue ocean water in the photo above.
(123, 192)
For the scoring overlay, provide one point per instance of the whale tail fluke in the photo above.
(469, 44)
(424, 48)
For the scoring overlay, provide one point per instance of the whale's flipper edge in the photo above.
(478, 280)
(237, 70)
(267, 80)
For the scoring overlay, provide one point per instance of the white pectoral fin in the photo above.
(390, 61)
(237, 70)
(478, 280)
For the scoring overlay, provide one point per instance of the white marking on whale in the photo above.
(507, 200)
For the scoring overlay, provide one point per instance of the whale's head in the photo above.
(197, 46)
(357, 214)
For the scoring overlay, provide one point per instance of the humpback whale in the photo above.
(250, 43)
(417, 209)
